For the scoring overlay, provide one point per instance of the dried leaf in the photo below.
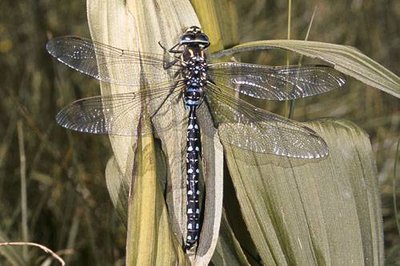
(346, 59)
(307, 213)
(140, 25)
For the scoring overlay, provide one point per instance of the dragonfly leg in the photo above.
(173, 50)
(167, 64)
(165, 49)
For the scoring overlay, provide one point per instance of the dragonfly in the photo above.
(214, 95)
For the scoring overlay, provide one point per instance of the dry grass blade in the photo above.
(308, 213)
(393, 254)
(45, 249)
(13, 255)
(394, 187)
(346, 59)
(24, 203)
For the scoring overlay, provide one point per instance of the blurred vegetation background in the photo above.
(68, 208)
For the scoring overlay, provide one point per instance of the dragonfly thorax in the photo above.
(194, 74)
(194, 66)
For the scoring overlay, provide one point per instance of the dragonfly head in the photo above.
(194, 36)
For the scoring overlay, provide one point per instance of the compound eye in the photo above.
(187, 37)
(202, 39)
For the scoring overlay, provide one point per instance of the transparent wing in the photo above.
(247, 127)
(276, 82)
(120, 114)
(96, 59)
